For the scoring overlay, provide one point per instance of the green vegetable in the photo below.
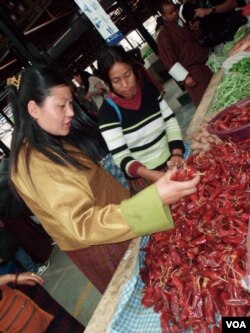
(242, 66)
(231, 89)
(215, 62)
(242, 32)
(227, 47)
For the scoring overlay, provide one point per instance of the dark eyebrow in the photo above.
(117, 77)
(129, 70)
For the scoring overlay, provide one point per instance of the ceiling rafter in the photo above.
(44, 22)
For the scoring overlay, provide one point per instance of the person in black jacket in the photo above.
(218, 19)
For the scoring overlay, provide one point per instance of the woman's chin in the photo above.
(129, 95)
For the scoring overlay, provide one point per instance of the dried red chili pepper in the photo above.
(203, 257)
(235, 117)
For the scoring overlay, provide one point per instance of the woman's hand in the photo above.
(175, 161)
(21, 278)
(201, 12)
(171, 191)
(189, 81)
(29, 278)
(151, 175)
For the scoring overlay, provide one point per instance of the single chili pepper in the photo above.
(216, 193)
(210, 274)
(233, 239)
(238, 301)
(238, 269)
(222, 126)
(199, 240)
(178, 284)
(208, 307)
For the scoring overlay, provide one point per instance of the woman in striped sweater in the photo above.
(139, 127)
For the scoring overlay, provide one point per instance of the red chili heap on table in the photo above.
(192, 273)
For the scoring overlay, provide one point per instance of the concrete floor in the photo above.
(70, 288)
(63, 280)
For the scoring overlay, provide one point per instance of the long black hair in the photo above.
(111, 55)
(36, 84)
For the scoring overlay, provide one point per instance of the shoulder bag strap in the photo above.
(117, 110)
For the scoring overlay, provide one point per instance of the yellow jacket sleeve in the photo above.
(145, 212)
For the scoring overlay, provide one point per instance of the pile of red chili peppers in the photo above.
(192, 272)
(235, 117)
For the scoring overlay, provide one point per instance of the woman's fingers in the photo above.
(186, 184)
(188, 187)
(189, 191)
(29, 278)
(171, 191)
(37, 279)
(175, 161)
(171, 171)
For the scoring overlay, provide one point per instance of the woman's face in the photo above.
(56, 113)
(123, 80)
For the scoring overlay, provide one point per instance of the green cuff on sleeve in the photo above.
(145, 212)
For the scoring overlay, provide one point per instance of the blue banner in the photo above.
(101, 20)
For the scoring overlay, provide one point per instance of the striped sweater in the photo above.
(147, 135)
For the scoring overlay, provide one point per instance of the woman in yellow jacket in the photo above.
(55, 169)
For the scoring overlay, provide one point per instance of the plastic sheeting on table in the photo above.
(130, 315)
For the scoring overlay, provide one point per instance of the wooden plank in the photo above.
(204, 104)
(106, 307)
